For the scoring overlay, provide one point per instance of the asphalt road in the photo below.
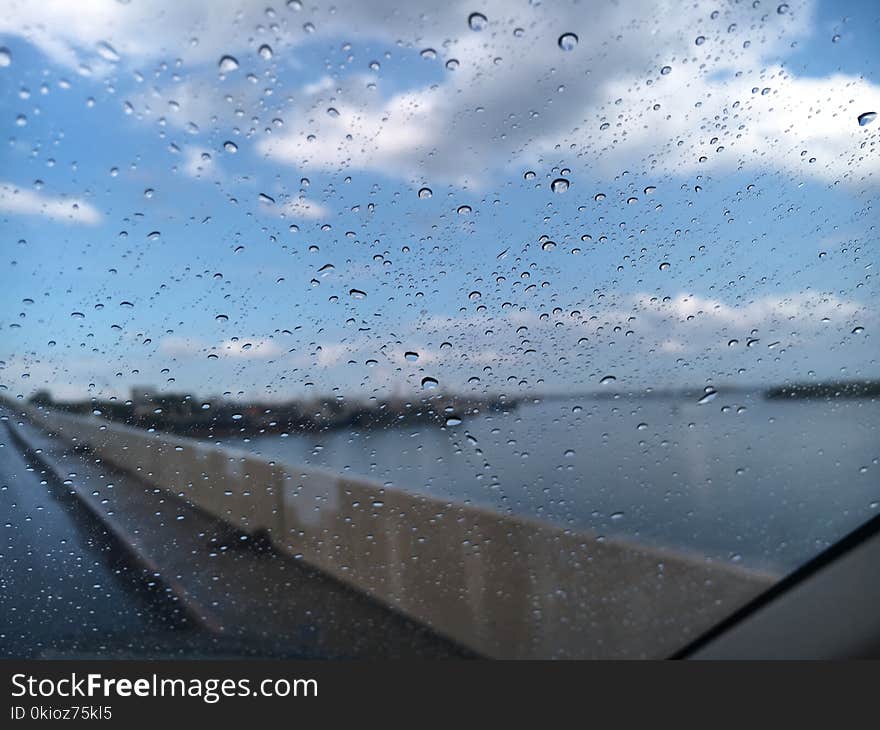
(65, 588)
(71, 588)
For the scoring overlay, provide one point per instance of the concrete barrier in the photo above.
(505, 586)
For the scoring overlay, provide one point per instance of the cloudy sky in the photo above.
(271, 199)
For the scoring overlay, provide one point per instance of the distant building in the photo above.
(42, 398)
(143, 399)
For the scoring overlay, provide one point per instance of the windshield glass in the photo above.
(508, 329)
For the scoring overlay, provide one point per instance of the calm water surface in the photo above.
(762, 482)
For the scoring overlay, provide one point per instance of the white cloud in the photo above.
(514, 99)
(329, 354)
(389, 138)
(257, 348)
(643, 339)
(199, 31)
(325, 83)
(198, 163)
(800, 308)
(182, 346)
(73, 33)
(251, 349)
(304, 208)
(766, 119)
(652, 340)
(324, 355)
(73, 379)
(17, 201)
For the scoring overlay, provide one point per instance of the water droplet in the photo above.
(265, 52)
(309, 27)
(107, 52)
(616, 516)
(332, 111)
(452, 64)
(357, 294)
(77, 315)
(230, 147)
(429, 383)
(227, 64)
(453, 421)
(700, 40)
(411, 356)
(428, 53)
(858, 330)
(709, 394)
(221, 318)
(464, 210)
(664, 266)
(5, 57)
(425, 193)
(650, 190)
(782, 9)
(599, 197)
(559, 185)
(153, 235)
(666, 70)
(866, 118)
(268, 200)
(835, 38)
(608, 380)
(568, 41)
(548, 245)
(477, 21)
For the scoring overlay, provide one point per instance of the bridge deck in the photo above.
(246, 594)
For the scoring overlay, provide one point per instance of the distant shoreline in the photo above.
(840, 389)
(179, 413)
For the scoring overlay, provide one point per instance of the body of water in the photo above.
(767, 483)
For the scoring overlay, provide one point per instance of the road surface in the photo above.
(64, 589)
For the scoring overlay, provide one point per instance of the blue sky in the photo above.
(739, 197)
